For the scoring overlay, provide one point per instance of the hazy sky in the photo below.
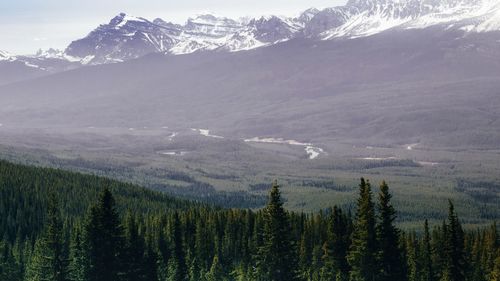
(28, 25)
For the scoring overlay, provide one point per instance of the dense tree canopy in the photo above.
(59, 226)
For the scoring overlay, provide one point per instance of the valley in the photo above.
(354, 142)
(422, 178)
(217, 108)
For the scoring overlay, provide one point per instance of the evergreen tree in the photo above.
(389, 255)
(104, 235)
(412, 257)
(9, 269)
(277, 255)
(77, 257)
(216, 272)
(454, 256)
(203, 246)
(305, 255)
(363, 250)
(134, 259)
(336, 246)
(491, 249)
(426, 249)
(241, 273)
(194, 270)
(495, 273)
(49, 260)
(177, 263)
(162, 235)
(150, 264)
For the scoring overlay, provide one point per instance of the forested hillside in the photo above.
(64, 226)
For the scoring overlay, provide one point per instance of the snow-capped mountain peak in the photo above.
(6, 56)
(124, 37)
(375, 16)
(122, 19)
(211, 26)
(307, 15)
(127, 37)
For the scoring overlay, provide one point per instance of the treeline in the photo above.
(24, 198)
(138, 238)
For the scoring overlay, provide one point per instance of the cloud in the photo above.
(40, 39)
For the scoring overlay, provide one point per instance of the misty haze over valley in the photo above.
(406, 91)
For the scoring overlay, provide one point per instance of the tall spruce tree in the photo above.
(336, 246)
(412, 257)
(277, 256)
(389, 252)
(49, 261)
(454, 256)
(77, 257)
(178, 270)
(426, 257)
(135, 268)
(362, 255)
(104, 240)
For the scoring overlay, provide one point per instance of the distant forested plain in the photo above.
(60, 225)
(234, 174)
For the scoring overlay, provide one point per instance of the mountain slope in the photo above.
(368, 17)
(401, 87)
(12, 69)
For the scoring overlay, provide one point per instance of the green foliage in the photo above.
(104, 240)
(389, 253)
(78, 260)
(216, 272)
(49, 262)
(426, 256)
(336, 246)
(9, 268)
(277, 255)
(454, 255)
(106, 230)
(362, 255)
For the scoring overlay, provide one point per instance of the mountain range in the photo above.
(127, 37)
(404, 90)
(324, 76)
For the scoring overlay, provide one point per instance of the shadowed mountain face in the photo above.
(428, 86)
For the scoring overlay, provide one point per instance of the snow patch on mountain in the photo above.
(123, 19)
(54, 54)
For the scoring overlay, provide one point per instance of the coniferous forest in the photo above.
(63, 226)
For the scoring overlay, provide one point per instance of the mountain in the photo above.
(124, 37)
(392, 87)
(5, 56)
(127, 37)
(14, 69)
(368, 17)
(205, 32)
